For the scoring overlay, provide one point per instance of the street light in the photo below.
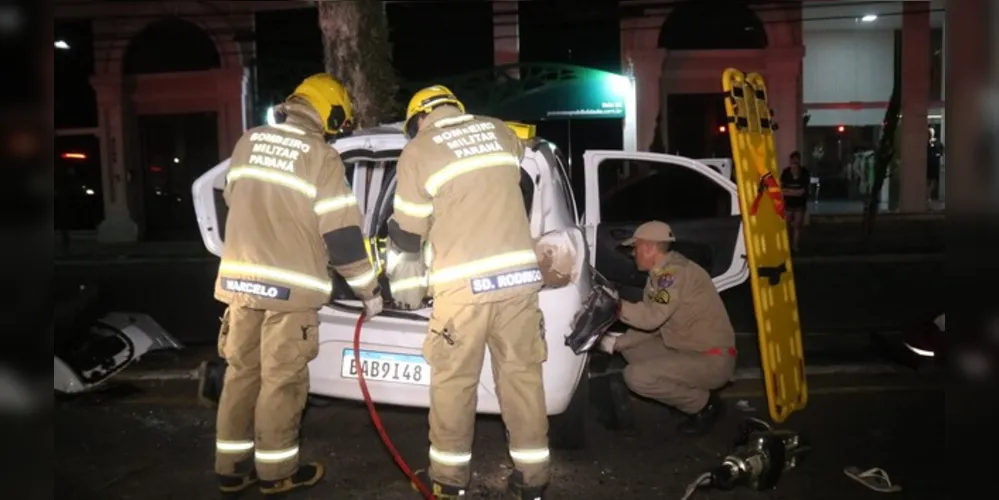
(869, 18)
(61, 45)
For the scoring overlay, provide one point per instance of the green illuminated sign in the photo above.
(542, 92)
(592, 94)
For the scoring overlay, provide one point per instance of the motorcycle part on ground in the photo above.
(88, 351)
(761, 203)
(598, 313)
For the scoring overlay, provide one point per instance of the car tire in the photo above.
(567, 430)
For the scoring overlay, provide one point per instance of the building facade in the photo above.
(831, 67)
(173, 85)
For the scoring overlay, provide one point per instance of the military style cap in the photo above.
(654, 230)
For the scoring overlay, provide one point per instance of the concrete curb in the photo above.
(803, 260)
(867, 369)
(881, 217)
(740, 374)
(158, 375)
(102, 261)
(755, 373)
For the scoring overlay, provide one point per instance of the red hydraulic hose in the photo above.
(377, 421)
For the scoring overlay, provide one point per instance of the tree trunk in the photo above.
(358, 53)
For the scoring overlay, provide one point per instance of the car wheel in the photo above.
(567, 430)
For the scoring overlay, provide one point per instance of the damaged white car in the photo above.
(91, 349)
(391, 342)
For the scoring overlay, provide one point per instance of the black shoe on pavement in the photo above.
(441, 491)
(211, 378)
(517, 491)
(306, 476)
(232, 486)
(703, 421)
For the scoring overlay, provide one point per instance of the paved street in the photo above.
(835, 294)
(155, 442)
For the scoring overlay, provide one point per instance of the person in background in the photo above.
(794, 180)
(934, 152)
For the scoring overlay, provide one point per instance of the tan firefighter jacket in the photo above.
(458, 188)
(291, 214)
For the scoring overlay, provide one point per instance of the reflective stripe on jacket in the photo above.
(291, 215)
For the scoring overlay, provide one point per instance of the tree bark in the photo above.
(358, 53)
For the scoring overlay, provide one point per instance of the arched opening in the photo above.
(171, 45)
(712, 25)
(703, 25)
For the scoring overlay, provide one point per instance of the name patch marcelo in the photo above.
(256, 288)
(506, 280)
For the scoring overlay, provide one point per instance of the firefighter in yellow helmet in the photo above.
(458, 189)
(292, 215)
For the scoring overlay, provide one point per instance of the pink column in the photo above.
(783, 86)
(230, 109)
(118, 225)
(966, 55)
(784, 101)
(506, 35)
(915, 105)
(648, 70)
(784, 77)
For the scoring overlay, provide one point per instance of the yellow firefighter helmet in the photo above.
(330, 99)
(425, 100)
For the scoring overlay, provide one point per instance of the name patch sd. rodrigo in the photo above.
(256, 288)
(506, 280)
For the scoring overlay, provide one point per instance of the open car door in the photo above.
(209, 206)
(774, 295)
(699, 204)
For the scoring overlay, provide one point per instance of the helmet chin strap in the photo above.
(339, 134)
(413, 125)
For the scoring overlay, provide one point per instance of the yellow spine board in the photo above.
(768, 251)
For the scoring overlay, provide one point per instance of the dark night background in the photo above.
(424, 34)
(431, 40)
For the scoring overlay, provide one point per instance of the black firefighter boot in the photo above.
(703, 421)
(517, 491)
(440, 491)
(232, 486)
(306, 476)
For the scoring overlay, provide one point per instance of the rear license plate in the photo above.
(387, 367)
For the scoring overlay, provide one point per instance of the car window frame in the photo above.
(550, 152)
(656, 170)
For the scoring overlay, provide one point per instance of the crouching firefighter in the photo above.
(681, 346)
(291, 214)
(458, 193)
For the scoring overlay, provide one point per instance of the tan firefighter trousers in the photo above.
(265, 390)
(455, 349)
(681, 379)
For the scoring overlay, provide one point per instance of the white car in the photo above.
(391, 342)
